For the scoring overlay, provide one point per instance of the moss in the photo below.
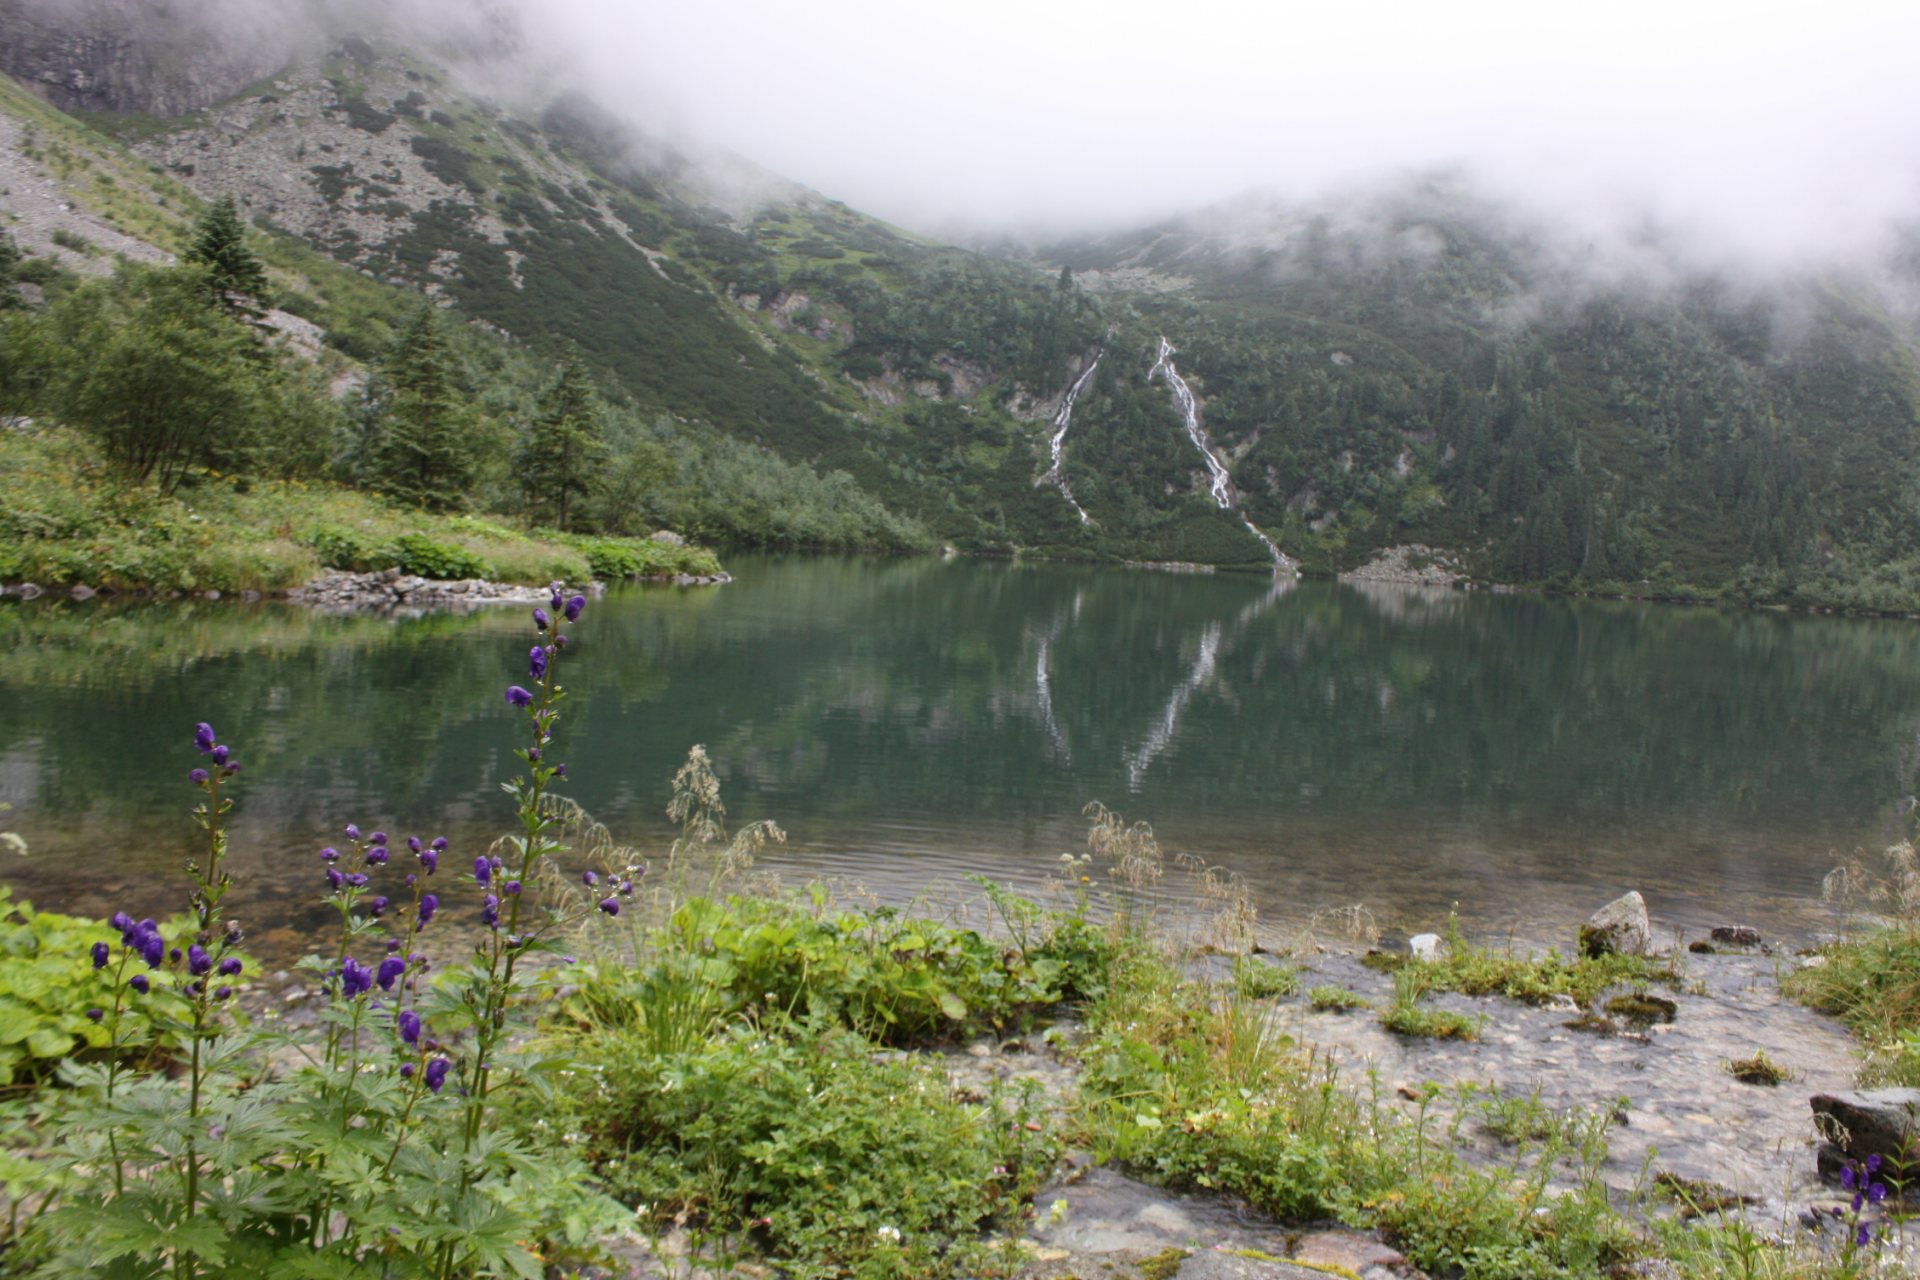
(1641, 1009)
(1697, 1196)
(1759, 1069)
(1163, 1265)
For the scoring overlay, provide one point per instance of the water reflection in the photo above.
(914, 720)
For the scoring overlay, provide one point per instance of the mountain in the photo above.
(1416, 364)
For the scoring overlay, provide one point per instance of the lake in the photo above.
(911, 721)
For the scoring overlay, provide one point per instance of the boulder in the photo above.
(668, 538)
(1425, 946)
(1619, 928)
(1873, 1122)
(1735, 935)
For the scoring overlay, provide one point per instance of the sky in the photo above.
(1768, 128)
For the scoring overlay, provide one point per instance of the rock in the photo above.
(1424, 946)
(81, 591)
(27, 591)
(1873, 1122)
(1351, 1251)
(1619, 928)
(1735, 935)
(212, 593)
(1233, 1264)
(667, 538)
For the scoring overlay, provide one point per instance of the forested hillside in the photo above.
(755, 362)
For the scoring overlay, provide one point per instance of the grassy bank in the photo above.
(66, 518)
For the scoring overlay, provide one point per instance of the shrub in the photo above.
(421, 556)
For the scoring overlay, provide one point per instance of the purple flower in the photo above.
(517, 696)
(574, 606)
(223, 993)
(197, 776)
(153, 949)
(1876, 1193)
(413, 844)
(123, 922)
(430, 860)
(230, 967)
(410, 1026)
(1873, 1164)
(429, 904)
(378, 837)
(439, 844)
(589, 878)
(334, 878)
(203, 737)
(1863, 1236)
(357, 879)
(490, 912)
(139, 983)
(406, 1071)
(554, 587)
(219, 755)
(541, 619)
(329, 854)
(482, 869)
(379, 906)
(355, 978)
(96, 1014)
(560, 770)
(353, 832)
(437, 1073)
(101, 954)
(198, 961)
(389, 972)
(377, 856)
(513, 888)
(610, 905)
(537, 662)
(1847, 1178)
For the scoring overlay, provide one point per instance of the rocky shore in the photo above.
(1411, 565)
(389, 590)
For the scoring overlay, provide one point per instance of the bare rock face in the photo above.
(165, 59)
(1619, 928)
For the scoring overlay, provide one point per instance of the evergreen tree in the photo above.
(563, 451)
(10, 259)
(236, 280)
(420, 453)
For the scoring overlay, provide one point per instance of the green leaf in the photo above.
(45, 1042)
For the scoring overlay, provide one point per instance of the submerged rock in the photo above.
(1619, 928)
(1735, 935)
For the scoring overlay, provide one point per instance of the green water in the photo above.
(912, 721)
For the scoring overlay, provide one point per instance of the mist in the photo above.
(1753, 131)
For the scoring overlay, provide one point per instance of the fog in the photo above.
(1755, 129)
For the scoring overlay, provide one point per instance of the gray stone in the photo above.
(1619, 928)
(1425, 946)
(1873, 1122)
(668, 538)
(1350, 1251)
(81, 591)
(28, 591)
(1735, 935)
(1225, 1264)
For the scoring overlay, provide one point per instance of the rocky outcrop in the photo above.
(1413, 564)
(164, 59)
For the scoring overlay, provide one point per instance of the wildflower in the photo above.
(334, 879)
(378, 837)
(230, 967)
(610, 905)
(198, 961)
(377, 856)
(1863, 1235)
(197, 776)
(513, 888)
(409, 1026)
(490, 912)
(574, 606)
(355, 978)
(560, 770)
(437, 1073)
(482, 869)
(517, 696)
(356, 879)
(413, 844)
(1876, 1193)
(429, 903)
(390, 970)
(537, 662)
(541, 620)
(101, 954)
(353, 832)
(406, 1071)
(378, 907)
(219, 755)
(329, 854)
(439, 844)
(153, 948)
(140, 983)
(223, 993)
(430, 860)
(124, 923)
(203, 737)
(589, 878)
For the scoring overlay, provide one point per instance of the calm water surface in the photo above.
(909, 722)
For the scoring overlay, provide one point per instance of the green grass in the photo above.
(1871, 981)
(1335, 999)
(65, 519)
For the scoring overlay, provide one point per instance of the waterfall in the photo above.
(1057, 447)
(1219, 481)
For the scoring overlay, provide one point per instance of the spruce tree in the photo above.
(421, 452)
(563, 450)
(237, 280)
